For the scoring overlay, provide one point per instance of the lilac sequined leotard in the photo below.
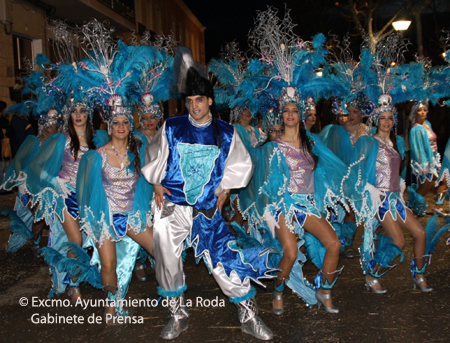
(119, 185)
(69, 168)
(301, 168)
(387, 167)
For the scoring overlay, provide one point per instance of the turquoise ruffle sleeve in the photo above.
(336, 138)
(95, 218)
(423, 160)
(42, 182)
(18, 169)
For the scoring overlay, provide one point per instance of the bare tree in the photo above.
(416, 9)
(362, 12)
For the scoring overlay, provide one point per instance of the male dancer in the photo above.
(195, 160)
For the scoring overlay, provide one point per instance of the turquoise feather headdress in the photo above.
(155, 78)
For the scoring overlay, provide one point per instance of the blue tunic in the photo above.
(195, 166)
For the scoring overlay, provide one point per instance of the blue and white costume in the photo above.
(184, 158)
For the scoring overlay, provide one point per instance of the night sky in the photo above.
(232, 20)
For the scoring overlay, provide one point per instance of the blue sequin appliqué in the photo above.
(197, 163)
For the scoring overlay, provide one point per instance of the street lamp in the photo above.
(401, 25)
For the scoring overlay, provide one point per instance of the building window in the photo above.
(23, 56)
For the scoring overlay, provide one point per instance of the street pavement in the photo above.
(401, 315)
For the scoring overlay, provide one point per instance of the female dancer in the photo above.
(248, 132)
(22, 222)
(341, 142)
(296, 209)
(310, 110)
(65, 153)
(150, 117)
(383, 161)
(295, 147)
(425, 162)
(115, 202)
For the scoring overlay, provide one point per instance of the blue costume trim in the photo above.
(171, 294)
(214, 237)
(120, 223)
(394, 204)
(25, 199)
(416, 202)
(249, 295)
(424, 162)
(72, 205)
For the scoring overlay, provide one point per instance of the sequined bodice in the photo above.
(432, 137)
(119, 183)
(353, 138)
(69, 168)
(301, 168)
(387, 167)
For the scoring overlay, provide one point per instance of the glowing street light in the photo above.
(401, 25)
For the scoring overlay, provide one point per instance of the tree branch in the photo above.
(386, 34)
(354, 14)
(393, 18)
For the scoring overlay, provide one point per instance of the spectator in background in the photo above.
(4, 141)
(19, 128)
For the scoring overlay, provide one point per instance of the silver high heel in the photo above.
(440, 212)
(72, 291)
(349, 253)
(417, 283)
(321, 301)
(140, 278)
(277, 311)
(371, 283)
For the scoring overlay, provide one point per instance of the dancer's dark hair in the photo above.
(75, 142)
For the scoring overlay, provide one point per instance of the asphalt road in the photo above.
(401, 315)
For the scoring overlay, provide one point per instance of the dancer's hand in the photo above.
(222, 198)
(159, 195)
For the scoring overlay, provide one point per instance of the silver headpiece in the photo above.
(52, 117)
(416, 106)
(361, 103)
(289, 95)
(384, 105)
(147, 105)
(69, 107)
(115, 107)
(307, 107)
(272, 118)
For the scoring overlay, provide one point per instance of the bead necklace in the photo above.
(121, 158)
(385, 140)
(358, 128)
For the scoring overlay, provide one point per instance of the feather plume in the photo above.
(20, 233)
(386, 251)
